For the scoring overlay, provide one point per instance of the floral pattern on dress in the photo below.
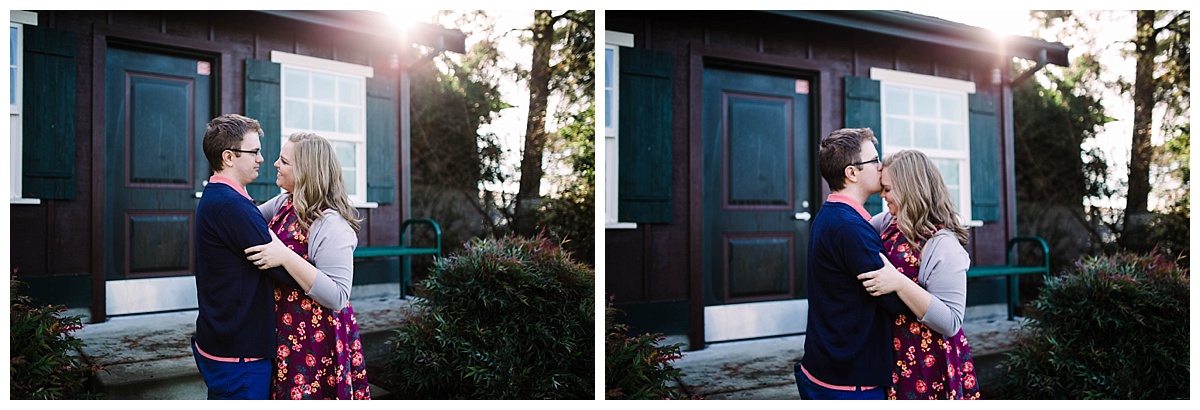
(928, 365)
(318, 352)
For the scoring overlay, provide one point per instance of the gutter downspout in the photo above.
(1009, 143)
(1041, 62)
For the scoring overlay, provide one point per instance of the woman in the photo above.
(315, 230)
(923, 239)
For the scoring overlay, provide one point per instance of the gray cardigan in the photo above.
(331, 244)
(943, 273)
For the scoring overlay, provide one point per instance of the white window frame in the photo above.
(612, 41)
(338, 68)
(962, 156)
(18, 19)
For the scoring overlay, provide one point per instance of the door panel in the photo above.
(756, 181)
(156, 108)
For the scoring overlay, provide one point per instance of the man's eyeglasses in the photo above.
(254, 152)
(876, 159)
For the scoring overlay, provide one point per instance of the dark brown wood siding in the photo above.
(653, 263)
(58, 238)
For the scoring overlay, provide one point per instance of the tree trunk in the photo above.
(529, 195)
(1141, 153)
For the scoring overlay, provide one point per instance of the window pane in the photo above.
(350, 91)
(949, 170)
(347, 159)
(925, 134)
(952, 137)
(924, 104)
(12, 70)
(297, 83)
(351, 181)
(897, 101)
(608, 84)
(345, 153)
(324, 117)
(952, 107)
(898, 132)
(350, 120)
(296, 113)
(323, 87)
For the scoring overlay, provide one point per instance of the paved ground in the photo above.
(148, 357)
(762, 369)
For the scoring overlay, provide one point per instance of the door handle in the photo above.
(803, 216)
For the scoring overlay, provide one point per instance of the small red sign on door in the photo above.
(801, 87)
(203, 68)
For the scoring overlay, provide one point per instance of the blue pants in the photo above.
(812, 391)
(235, 381)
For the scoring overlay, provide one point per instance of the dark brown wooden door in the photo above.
(156, 109)
(756, 195)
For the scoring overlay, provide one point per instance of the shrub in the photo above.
(636, 367)
(1116, 327)
(511, 318)
(43, 363)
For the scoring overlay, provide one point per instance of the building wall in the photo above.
(53, 244)
(649, 268)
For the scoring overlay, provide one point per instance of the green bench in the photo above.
(1011, 271)
(404, 252)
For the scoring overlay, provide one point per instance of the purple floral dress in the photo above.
(928, 364)
(318, 351)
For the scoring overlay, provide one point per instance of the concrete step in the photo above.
(761, 369)
(147, 357)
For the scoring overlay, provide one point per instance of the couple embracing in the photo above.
(273, 281)
(886, 293)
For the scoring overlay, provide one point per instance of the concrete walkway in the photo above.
(761, 369)
(147, 357)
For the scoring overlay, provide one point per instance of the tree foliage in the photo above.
(463, 174)
(570, 216)
(563, 65)
(1159, 44)
(453, 95)
(1054, 171)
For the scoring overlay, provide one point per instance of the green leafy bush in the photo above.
(636, 367)
(43, 365)
(510, 318)
(1116, 327)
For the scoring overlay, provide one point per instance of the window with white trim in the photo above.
(930, 114)
(17, 21)
(328, 98)
(612, 86)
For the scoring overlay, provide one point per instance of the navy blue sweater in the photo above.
(848, 341)
(237, 303)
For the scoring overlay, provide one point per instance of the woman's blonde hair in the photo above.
(925, 203)
(319, 184)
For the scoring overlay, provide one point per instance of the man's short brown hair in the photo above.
(838, 150)
(226, 132)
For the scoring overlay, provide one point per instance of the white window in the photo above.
(329, 98)
(930, 114)
(612, 86)
(17, 21)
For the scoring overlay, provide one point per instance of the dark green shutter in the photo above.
(48, 114)
(644, 141)
(985, 159)
(864, 110)
(381, 141)
(263, 104)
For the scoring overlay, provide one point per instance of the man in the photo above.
(235, 330)
(847, 347)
